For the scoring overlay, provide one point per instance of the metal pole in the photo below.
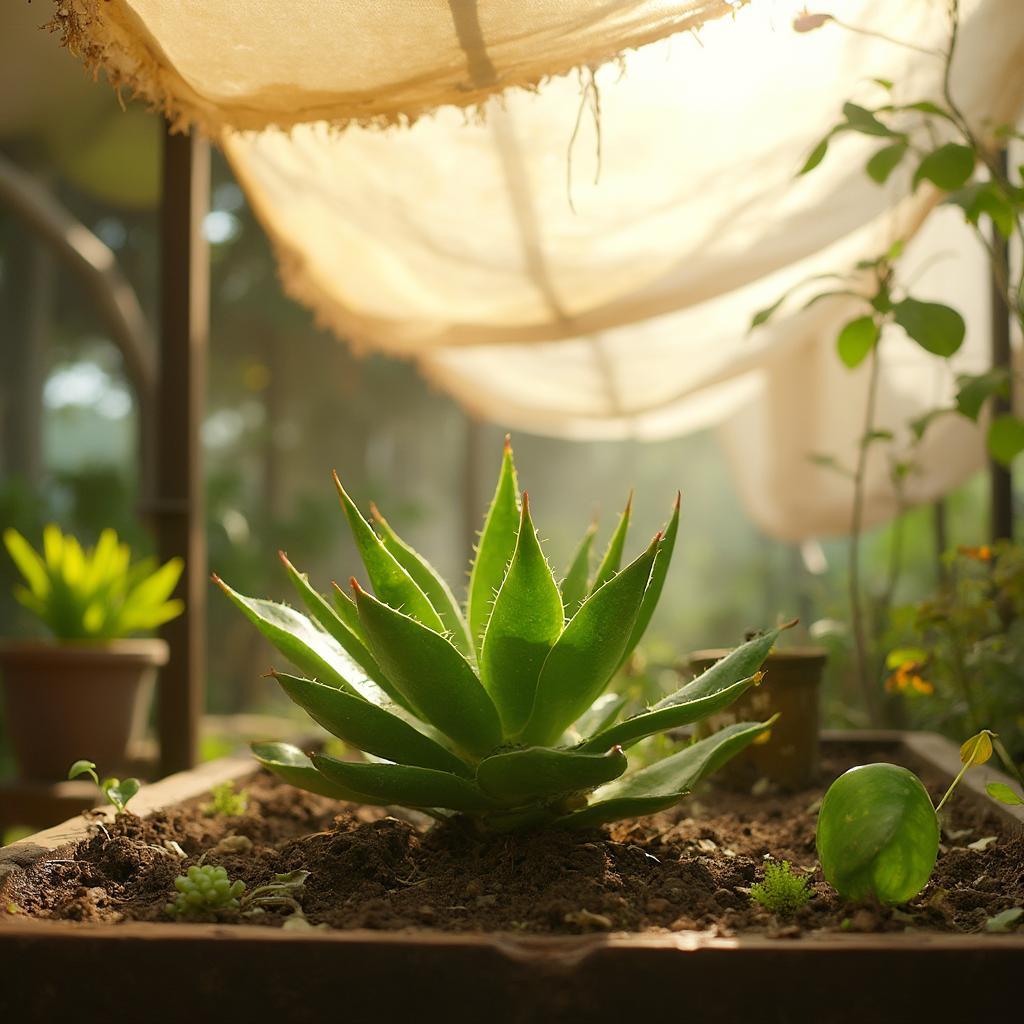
(1001, 477)
(184, 328)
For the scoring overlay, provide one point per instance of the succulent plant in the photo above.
(496, 712)
(203, 890)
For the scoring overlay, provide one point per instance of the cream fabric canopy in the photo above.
(549, 302)
(600, 297)
(251, 64)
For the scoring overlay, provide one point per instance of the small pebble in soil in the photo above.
(588, 921)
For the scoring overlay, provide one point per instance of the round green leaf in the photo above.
(936, 328)
(856, 340)
(878, 834)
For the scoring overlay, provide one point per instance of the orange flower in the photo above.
(981, 554)
(908, 677)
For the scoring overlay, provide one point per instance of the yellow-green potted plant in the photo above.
(87, 687)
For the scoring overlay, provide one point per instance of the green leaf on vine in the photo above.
(815, 156)
(856, 340)
(950, 167)
(974, 390)
(920, 424)
(1006, 439)
(762, 316)
(937, 328)
(861, 120)
(885, 161)
(986, 198)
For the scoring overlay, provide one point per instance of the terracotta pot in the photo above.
(73, 700)
(789, 757)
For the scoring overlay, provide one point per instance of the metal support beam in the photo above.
(1001, 477)
(181, 392)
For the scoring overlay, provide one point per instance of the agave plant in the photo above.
(498, 711)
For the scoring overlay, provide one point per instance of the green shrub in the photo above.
(782, 890)
(96, 593)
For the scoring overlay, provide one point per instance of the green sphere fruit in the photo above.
(878, 834)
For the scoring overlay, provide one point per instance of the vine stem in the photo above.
(860, 643)
(952, 786)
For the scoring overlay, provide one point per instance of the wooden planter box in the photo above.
(194, 974)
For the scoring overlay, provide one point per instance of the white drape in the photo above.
(584, 260)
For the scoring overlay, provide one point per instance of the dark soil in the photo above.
(689, 868)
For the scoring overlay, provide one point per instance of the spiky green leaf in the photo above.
(739, 663)
(494, 552)
(601, 715)
(289, 763)
(346, 609)
(304, 644)
(686, 712)
(586, 655)
(427, 578)
(405, 785)
(575, 585)
(526, 621)
(379, 731)
(533, 773)
(657, 583)
(664, 782)
(391, 583)
(616, 545)
(332, 623)
(431, 674)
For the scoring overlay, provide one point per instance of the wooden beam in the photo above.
(181, 393)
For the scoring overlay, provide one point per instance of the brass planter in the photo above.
(789, 756)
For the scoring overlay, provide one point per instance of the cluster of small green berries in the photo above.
(783, 891)
(204, 889)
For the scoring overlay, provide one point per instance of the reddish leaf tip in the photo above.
(354, 584)
(375, 512)
(214, 578)
(679, 500)
(508, 444)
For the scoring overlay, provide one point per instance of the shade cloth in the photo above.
(620, 309)
(252, 64)
(584, 260)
